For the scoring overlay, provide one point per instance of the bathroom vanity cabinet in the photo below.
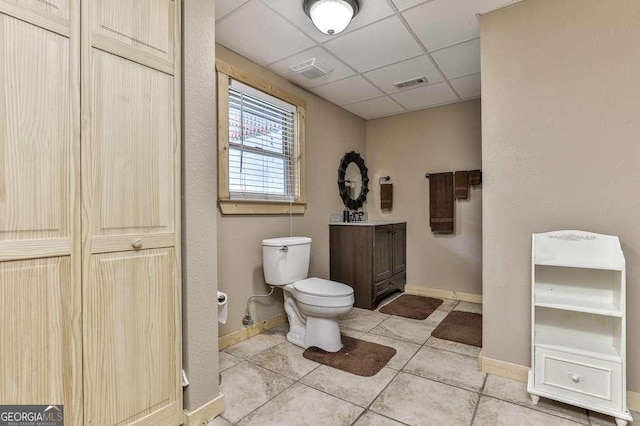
(370, 257)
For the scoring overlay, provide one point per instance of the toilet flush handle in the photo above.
(284, 249)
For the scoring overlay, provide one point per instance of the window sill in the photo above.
(250, 207)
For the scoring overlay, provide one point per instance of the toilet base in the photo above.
(296, 336)
(323, 333)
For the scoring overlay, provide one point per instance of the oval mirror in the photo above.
(353, 181)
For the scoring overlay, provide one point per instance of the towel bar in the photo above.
(427, 175)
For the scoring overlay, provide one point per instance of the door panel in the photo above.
(144, 25)
(130, 195)
(382, 263)
(131, 358)
(58, 8)
(35, 132)
(36, 323)
(399, 248)
(132, 147)
(40, 299)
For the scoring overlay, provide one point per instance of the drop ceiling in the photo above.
(389, 41)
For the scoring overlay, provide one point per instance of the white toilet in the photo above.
(313, 305)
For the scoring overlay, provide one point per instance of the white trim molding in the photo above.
(445, 294)
(252, 330)
(520, 373)
(205, 413)
(503, 368)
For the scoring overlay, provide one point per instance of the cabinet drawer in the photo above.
(382, 287)
(398, 279)
(582, 378)
(392, 283)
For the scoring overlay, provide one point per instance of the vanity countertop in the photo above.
(369, 223)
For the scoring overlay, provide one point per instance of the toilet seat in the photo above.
(320, 292)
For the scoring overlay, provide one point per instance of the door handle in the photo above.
(137, 243)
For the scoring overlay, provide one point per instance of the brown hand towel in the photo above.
(462, 184)
(386, 196)
(441, 202)
(475, 177)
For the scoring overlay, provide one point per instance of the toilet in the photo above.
(313, 305)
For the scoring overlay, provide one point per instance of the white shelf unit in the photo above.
(578, 338)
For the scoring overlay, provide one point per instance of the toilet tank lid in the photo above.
(286, 241)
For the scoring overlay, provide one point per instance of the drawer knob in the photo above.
(574, 377)
(137, 243)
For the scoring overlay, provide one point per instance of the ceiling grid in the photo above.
(387, 42)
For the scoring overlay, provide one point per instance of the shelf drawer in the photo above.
(591, 380)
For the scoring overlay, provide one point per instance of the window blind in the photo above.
(262, 132)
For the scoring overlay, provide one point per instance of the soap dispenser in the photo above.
(346, 216)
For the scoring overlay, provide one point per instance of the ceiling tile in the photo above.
(467, 87)
(460, 60)
(404, 4)
(402, 71)
(374, 107)
(441, 23)
(486, 6)
(426, 96)
(347, 91)
(224, 7)
(382, 43)
(370, 11)
(339, 69)
(265, 37)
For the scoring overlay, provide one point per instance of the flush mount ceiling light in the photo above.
(331, 16)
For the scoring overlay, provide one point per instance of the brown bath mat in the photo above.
(357, 356)
(411, 306)
(461, 327)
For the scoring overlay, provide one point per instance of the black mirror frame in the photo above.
(353, 157)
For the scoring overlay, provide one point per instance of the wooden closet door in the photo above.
(40, 298)
(131, 207)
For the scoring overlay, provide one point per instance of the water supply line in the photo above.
(246, 320)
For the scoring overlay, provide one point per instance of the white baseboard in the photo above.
(444, 294)
(205, 413)
(252, 330)
(633, 400)
(503, 369)
(520, 373)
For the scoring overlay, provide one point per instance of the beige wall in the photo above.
(330, 132)
(561, 144)
(199, 267)
(405, 147)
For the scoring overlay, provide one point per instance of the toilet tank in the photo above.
(285, 260)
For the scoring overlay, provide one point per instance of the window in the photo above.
(261, 146)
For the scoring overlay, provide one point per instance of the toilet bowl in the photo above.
(313, 305)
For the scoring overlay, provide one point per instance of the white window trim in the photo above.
(234, 206)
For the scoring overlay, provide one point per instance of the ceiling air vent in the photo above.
(311, 69)
(411, 83)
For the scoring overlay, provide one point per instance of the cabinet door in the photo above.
(399, 232)
(131, 211)
(382, 253)
(40, 297)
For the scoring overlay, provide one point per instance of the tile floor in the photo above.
(429, 381)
